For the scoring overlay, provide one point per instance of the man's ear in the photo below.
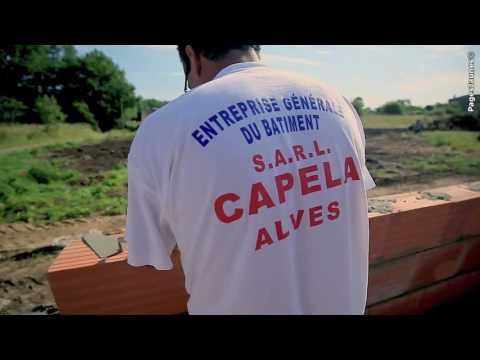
(195, 63)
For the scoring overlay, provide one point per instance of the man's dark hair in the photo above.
(213, 52)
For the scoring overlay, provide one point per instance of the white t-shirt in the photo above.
(259, 177)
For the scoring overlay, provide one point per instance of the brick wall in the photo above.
(424, 251)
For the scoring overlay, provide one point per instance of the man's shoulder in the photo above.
(163, 121)
(299, 78)
(166, 111)
(160, 124)
(206, 96)
(180, 108)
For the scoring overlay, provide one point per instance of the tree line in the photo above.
(52, 84)
(405, 107)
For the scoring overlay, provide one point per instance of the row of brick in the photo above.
(415, 246)
(417, 223)
(402, 275)
(116, 287)
(422, 300)
(83, 285)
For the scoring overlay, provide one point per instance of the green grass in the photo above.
(442, 164)
(373, 121)
(460, 154)
(39, 191)
(26, 136)
(42, 191)
(457, 140)
(456, 153)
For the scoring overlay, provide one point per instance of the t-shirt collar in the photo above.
(238, 67)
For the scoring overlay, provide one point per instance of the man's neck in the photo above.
(237, 56)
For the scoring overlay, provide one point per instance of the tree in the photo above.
(11, 110)
(392, 108)
(104, 89)
(149, 105)
(406, 103)
(29, 71)
(454, 108)
(403, 106)
(49, 112)
(90, 88)
(359, 105)
(20, 66)
(82, 114)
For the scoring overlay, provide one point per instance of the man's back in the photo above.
(259, 176)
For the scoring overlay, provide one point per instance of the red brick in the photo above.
(465, 217)
(471, 256)
(378, 229)
(418, 302)
(417, 224)
(416, 230)
(448, 290)
(82, 285)
(390, 279)
(404, 305)
(437, 264)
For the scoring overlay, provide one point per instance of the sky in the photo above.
(425, 74)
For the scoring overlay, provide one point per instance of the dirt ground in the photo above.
(384, 149)
(95, 158)
(390, 149)
(26, 251)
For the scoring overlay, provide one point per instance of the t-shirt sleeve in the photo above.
(368, 181)
(148, 234)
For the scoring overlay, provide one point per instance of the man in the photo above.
(259, 177)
